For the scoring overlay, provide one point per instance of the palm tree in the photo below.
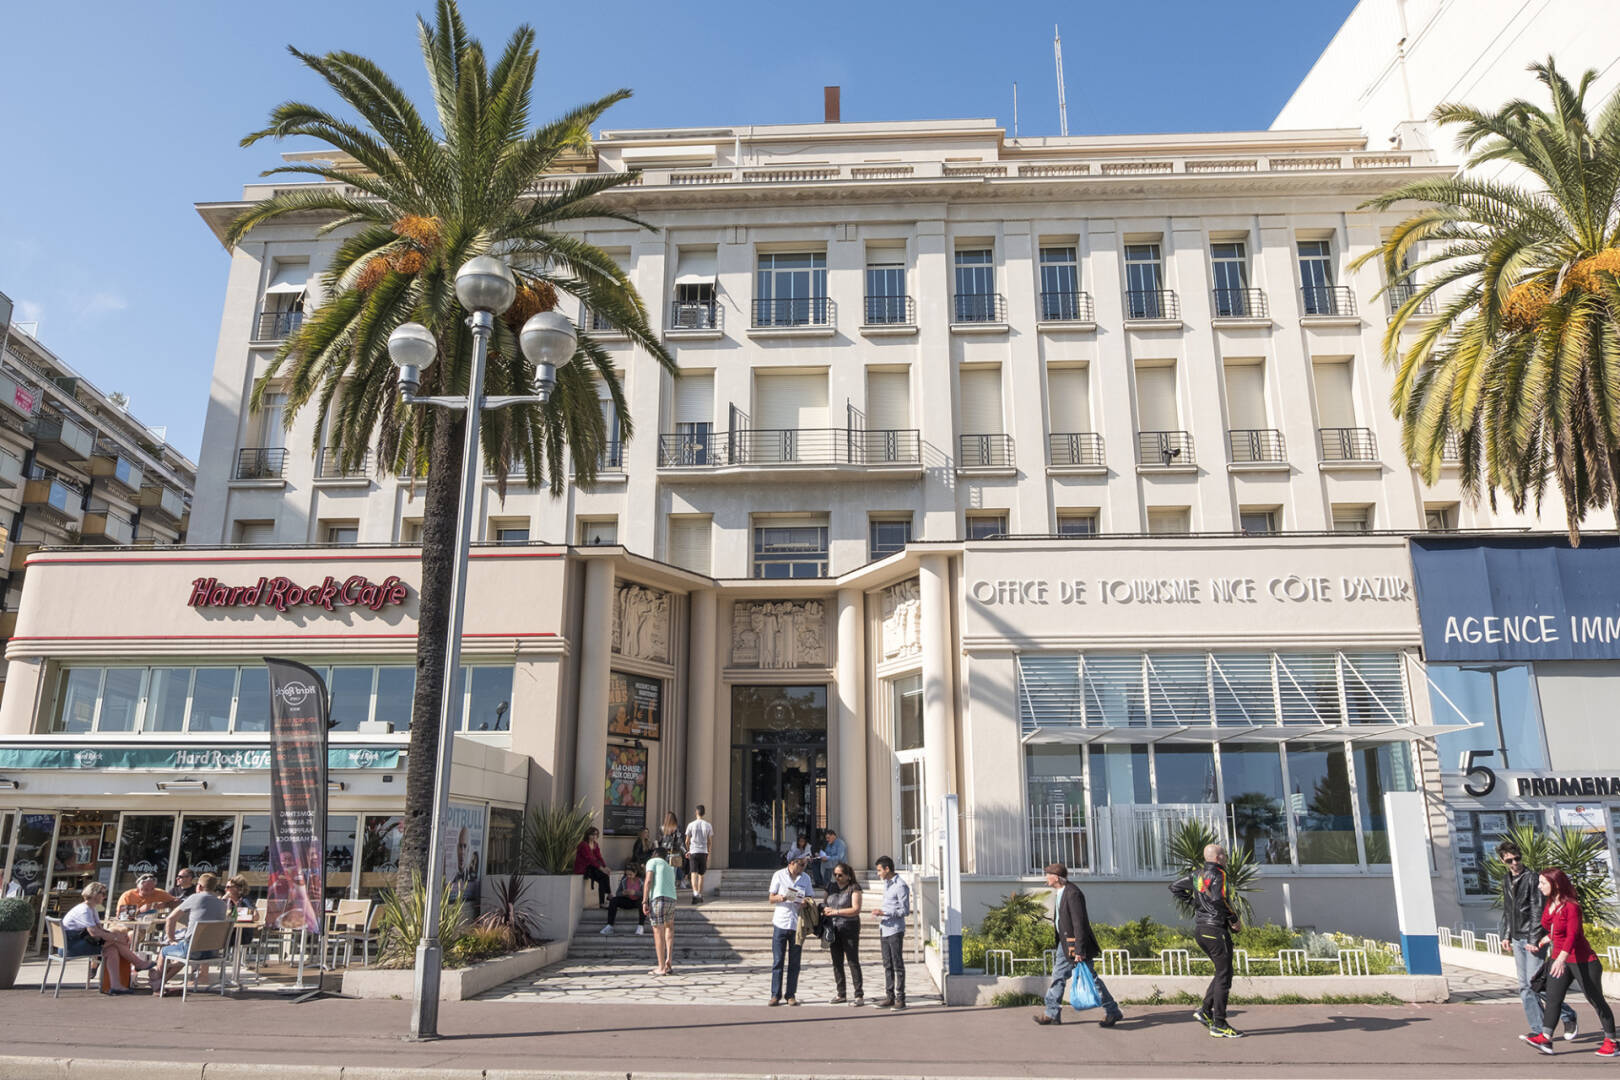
(1522, 364)
(413, 204)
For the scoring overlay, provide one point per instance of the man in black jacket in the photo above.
(1075, 945)
(1521, 932)
(1214, 922)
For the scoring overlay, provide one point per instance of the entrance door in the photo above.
(778, 770)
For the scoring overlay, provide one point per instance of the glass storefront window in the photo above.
(350, 689)
(908, 713)
(1324, 815)
(489, 704)
(166, 699)
(206, 842)
(1510, 725)
(253, 700)
(1119, 774)
(144, 849)
(1186, 774)
(211, 697)
(340, 830)
(501, 847)
(1381, 769)
(1254, 801)
(379, 853)
(1056, 782)
(253, 852)
(395, 688)
(120, 699)
(80, 858)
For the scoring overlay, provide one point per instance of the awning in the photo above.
(697, 268)
(292, 278)
(1268, 733)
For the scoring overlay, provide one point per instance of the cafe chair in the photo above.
(58, 954)
(356, 921)
(206, 944)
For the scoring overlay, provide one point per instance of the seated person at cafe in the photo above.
(185, 883)
(145, 897)
(84, 935)
(240, 907)
(201, 906)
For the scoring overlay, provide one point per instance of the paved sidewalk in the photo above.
(1480, 987)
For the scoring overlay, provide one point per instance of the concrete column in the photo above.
(850, 677)
(595, 654)
(720, 803)
(700, 710)
(939, 692)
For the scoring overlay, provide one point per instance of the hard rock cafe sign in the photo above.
(283, 594)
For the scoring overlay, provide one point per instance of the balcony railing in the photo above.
(15, 395)
(11, 471)
(162, 500)
(695, 315)
(49, 493)
(1152, 304)
(984, 451)
(1399, 294)
(889, 311)
(1075, 448)
(794, 311)
(1067, 307)
(119, 470)
(261, 463)
(1451, 449)
(1164, 448)
(1256, 444)
(275, 325)
(978, 308)
(1328, 300)
(1347, 444)
(61, 437)
(611, 460)
(329, 465)
(1240, 303)
(790, 446)
(104, 527)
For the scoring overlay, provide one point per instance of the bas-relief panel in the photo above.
(902, 620)
(641, 622)
(779, 634)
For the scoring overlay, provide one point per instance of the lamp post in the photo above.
(486, 288)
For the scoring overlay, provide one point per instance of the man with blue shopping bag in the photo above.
(1076, 949)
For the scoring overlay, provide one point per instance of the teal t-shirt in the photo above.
(660, 879)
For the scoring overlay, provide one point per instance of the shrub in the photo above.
(1583, 856)
(400, 923)
(518, 929)
(1144, 937)
(551, 836)
(1013, 999)
(1012, 914)
(1265, 940)
(474, 944)
(16, 913)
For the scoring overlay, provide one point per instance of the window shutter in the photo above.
(1335, 405)
(1246, 397)
(981, 401)
(1049, 691)
(1070, 402)
(1156, 398)
(694, 399)
(888, 400)
(789, 401)
(696, 267)
(689, 543)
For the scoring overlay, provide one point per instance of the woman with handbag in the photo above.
(841, 930)
(1571, 959)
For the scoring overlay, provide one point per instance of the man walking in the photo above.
(1214, 922)
(790, 886)
(1522, 904)
(891, 916)
(658, 904)
(1076, 945)
(698, 834)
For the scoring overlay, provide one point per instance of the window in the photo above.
(1502, 700)
(888, 535)
(410, 531)
(489, 698)
(1185, 774)
(694, 306)
(1380, 769)
(509, 531)
(1077, 522)
(1316, 277)
(1253, 779)
(1169, 520)
(790, 550)
(346, 533)
(1254, 521)
(694, 420)
(254, 532)
(1229, 265)
(1060, 284)
(599, 530)
(612, 458)
(975, 286)
(1156, 405)
(1144, 282)
(1055, 775)
(1120, 774)
(889, 435)
(1335, 394)
(1441, 517)
(272, 417)
(886, 302)
(282, 307)
(981, 526)
(791, 290)
(1068, 400)
(1324, 814)
(1351, 519)
(689, 543)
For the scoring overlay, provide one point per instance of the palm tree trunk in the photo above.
(440, 506)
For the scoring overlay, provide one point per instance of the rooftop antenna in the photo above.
(1063, 105)
(1015, 109)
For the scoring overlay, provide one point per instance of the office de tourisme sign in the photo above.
(283, 594)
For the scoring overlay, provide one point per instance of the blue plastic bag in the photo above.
(1083, 988)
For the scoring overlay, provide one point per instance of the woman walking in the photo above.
(843, 912)
(1571, 959)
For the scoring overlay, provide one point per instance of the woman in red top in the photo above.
(589, 862)
(1571, 958)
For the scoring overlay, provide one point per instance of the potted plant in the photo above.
(551, 835)
(16, 921)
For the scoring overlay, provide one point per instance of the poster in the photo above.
(463, 850)
(633, 706)
(298, 715)
(624, 809)
(1493, 824)
(1468, 860)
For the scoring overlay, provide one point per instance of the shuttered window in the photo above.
(888, 400)
(1113, 690)
(694, 399)
(1243, 688)
(689, 543)
(1335, 403)
(981, 401)
(1178, 688)
(1156, 398)
(1069, 403)
(1374, 689)
(1246, 395)
(784, 401)
(1049, 691)
(1308, 684)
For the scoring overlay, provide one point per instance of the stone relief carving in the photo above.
(902, 620)
(779, 634)
(641, 622)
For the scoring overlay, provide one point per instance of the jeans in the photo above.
(1590, 975)
(894, 965)
(1217, 945)
(847, 946)
(595, 875)
(1525, 963)
(1058, 992)
(627, 904)
(782, 943)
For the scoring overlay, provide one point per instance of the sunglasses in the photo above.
(1511, 859)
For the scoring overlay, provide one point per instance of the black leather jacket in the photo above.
(1522, 904)
(1206, 892)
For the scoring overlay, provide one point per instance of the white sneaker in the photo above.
(607, 929)
(641, 931)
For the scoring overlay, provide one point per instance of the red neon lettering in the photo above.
(199, 591)
(352, 589)
(277, 596)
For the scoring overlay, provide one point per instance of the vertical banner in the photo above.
(298, 713)
(624, 806)
(463, 850)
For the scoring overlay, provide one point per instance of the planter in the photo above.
(455, 984)
(13, 943)
(557, 899)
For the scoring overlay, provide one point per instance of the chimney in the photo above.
(829, 96)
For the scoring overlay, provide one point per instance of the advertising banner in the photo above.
(189, 758)
(624, 810)
(298, 714)
(634, 706)
(463, 850)
(1511, 599)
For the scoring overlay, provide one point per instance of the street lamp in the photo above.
(486, 288)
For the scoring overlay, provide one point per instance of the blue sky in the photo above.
(117, 117)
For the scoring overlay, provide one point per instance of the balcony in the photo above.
(276, 325)
(11, 471)
(1347, 444)
(984, 452)
(160, 500)
(8, 624)
(329, 465)
(105, 527)
(889, 314)
(261, 463)
(1398, 294)
(699, 318)
(1165, 450)
(1075, 449)
(1068, 307)
(61, 438)
(149, 539)
(978, 311)
(17, 556)
(1152, 305)
(803, 314)
(810, 451)
(1328, 302)
(1240, 304)
(55, 500)
(1451, 450)
(1254, 446)
(17, 397)
(117, 471)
